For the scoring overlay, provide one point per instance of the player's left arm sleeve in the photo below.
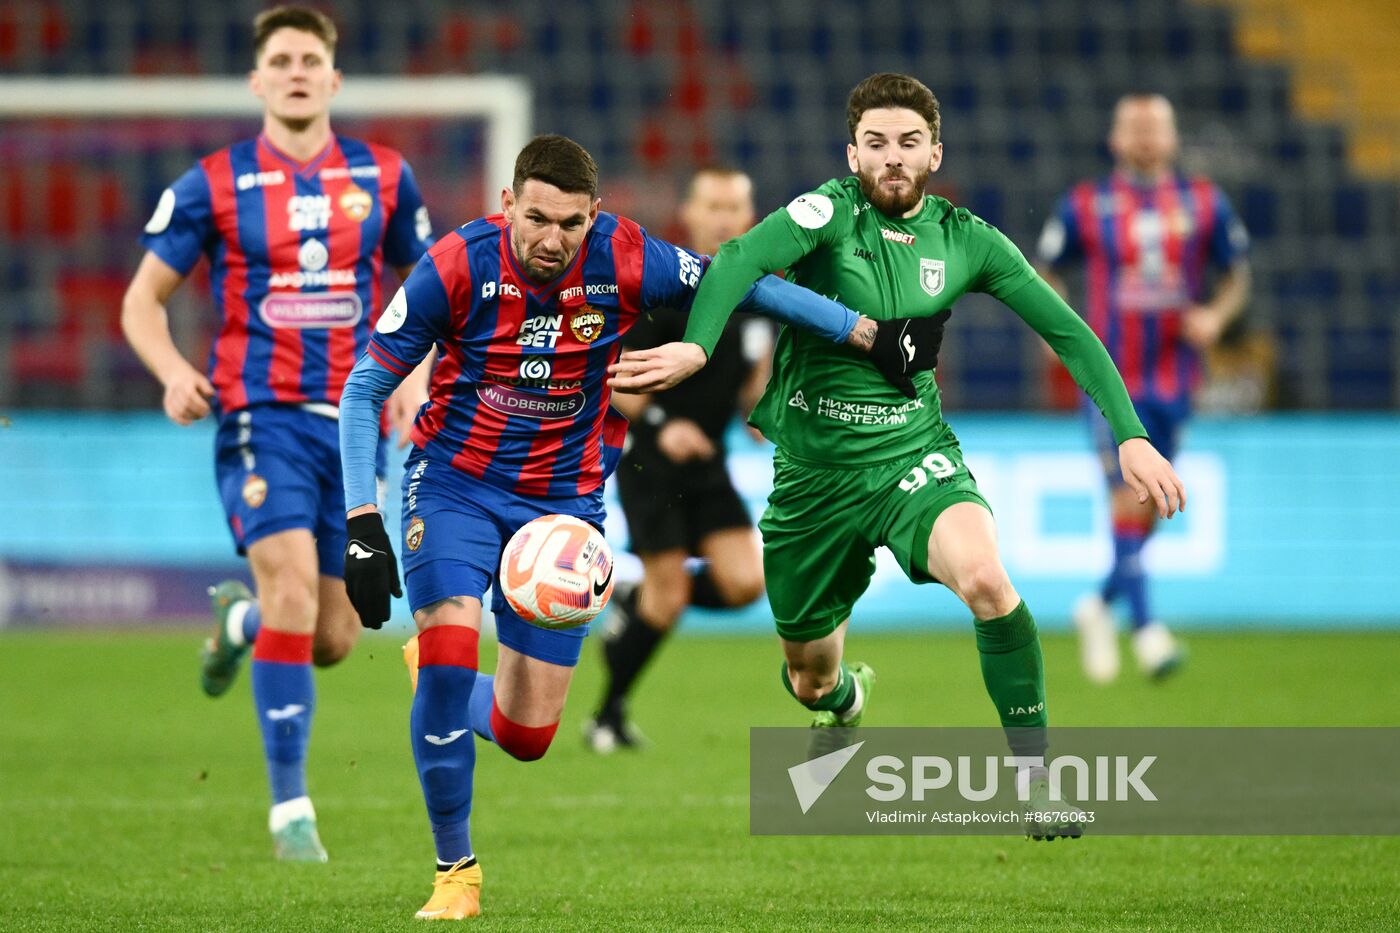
(370, 383)
(811, 222)
(1082, 353)
(409, 233)
(1001, 268)
(1229, 241)
(671, 278)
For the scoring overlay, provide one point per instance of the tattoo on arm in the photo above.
(862, 336)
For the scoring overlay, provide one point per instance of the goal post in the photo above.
(503, 102)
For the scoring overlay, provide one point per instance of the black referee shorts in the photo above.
(670, 505)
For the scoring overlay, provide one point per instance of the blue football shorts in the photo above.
(278, 468)
(455, 527)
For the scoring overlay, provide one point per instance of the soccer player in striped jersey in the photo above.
(528, 308)
(1149, 236)
(296, 224)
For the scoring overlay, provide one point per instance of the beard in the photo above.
(893, 203)
(540, 275)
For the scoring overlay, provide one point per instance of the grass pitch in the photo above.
(129, 801)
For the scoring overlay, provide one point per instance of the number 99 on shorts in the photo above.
(935, 465)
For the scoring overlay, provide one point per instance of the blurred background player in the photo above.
(297, 225)
(1147, 233)
(673, 483)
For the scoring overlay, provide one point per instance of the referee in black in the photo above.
(675, 488)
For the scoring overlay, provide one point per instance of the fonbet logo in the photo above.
(541, 331)
(308, 212)
(689, 268)
(975, 778)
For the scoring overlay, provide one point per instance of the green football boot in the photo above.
(830, 732)
(220, 657)
(1047, 820)
(298, 841)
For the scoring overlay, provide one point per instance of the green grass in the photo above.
(128, 801)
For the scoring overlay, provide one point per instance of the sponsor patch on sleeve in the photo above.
(165, 209)
(811, 211)
(394, 315)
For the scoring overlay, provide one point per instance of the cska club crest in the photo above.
(931, 275)
(414, 537)
(254, 491)
(356, 203)
(587, 323)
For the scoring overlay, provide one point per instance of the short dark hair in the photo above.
(888, 89)
(559, 161)
(716, 169)
(292, 17)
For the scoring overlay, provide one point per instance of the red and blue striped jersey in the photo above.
(519, 395)
(296, 251)
(1147, 251)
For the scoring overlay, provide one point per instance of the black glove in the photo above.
(371, 572)
(907, 345)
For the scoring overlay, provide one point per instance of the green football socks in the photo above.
(1014, 673)
(839, 700)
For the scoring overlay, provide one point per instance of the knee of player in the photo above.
(288, 605)
(663, 604)
(743, 589)
(331, 649)
(983, 581)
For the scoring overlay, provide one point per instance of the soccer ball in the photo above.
(557, 572)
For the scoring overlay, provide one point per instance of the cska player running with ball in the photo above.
(297, 225)
(857, 466)
(527, 308)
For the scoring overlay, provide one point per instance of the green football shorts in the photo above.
(823, 524)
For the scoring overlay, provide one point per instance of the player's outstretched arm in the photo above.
(1144, 469)
(1082, 353)
(147, 328)
(811, 222)
(898, 348)
(371, 571)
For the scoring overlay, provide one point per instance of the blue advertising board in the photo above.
(1293, 521)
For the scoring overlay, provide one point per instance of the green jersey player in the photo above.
(858, 465)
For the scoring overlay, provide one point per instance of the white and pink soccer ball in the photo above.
(557, 572)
